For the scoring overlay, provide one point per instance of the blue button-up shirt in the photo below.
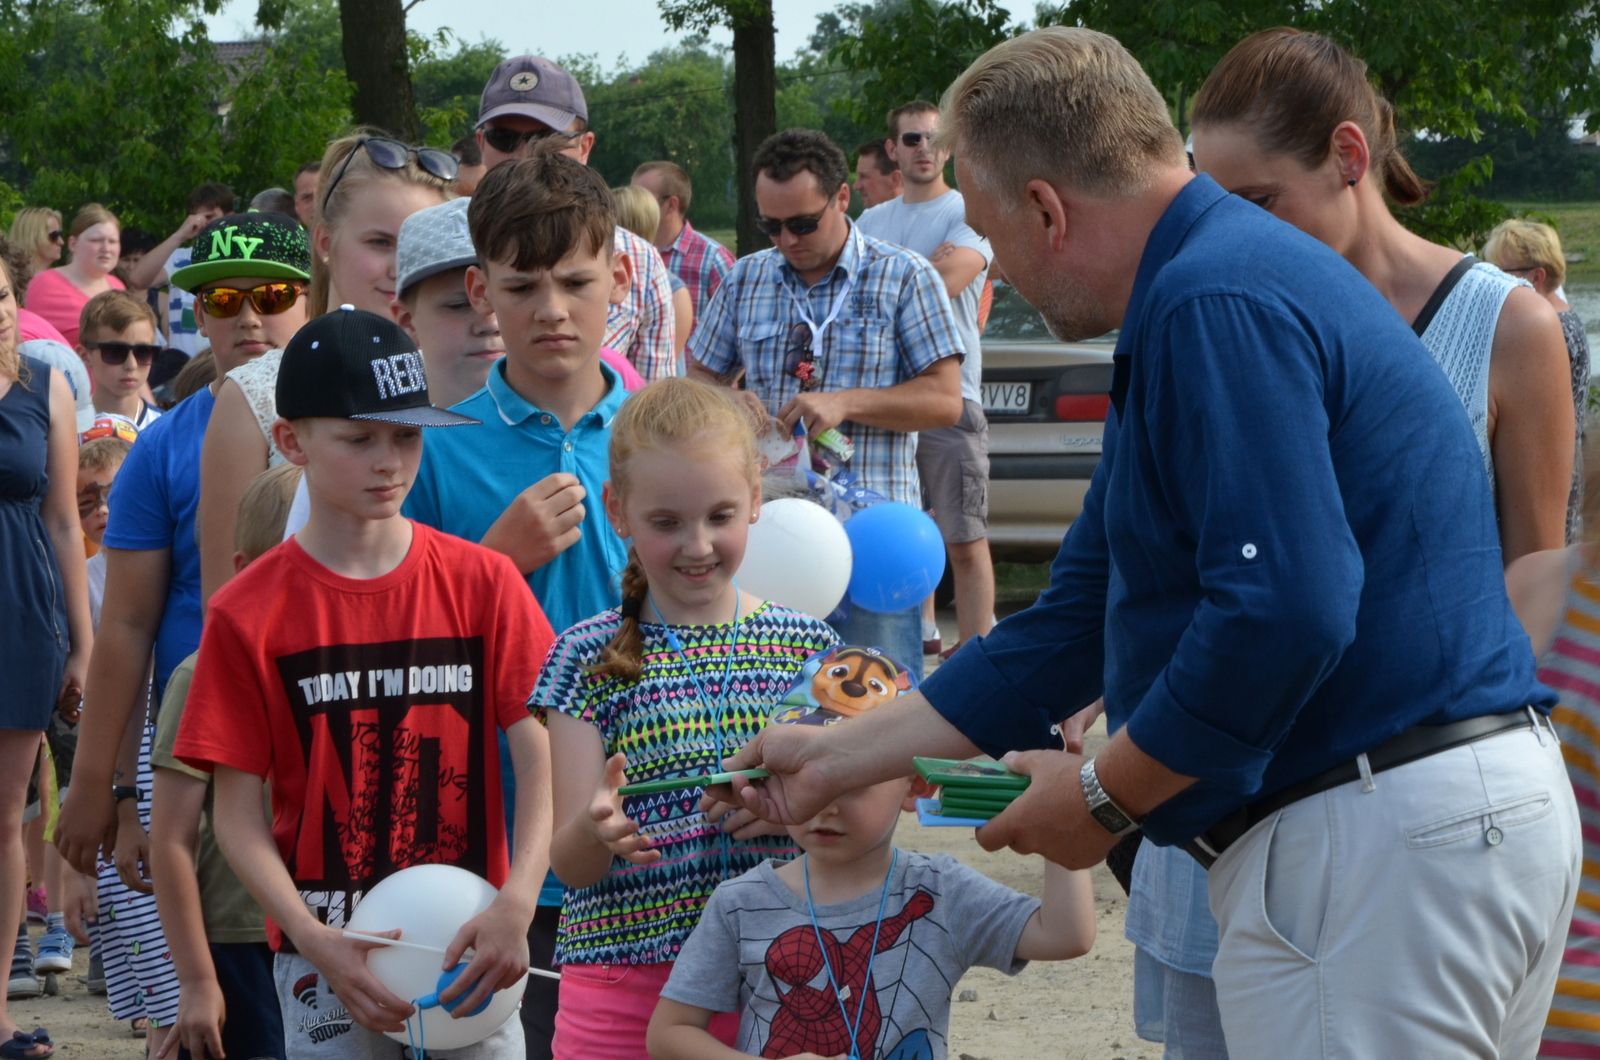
(895, 323)
(1288, 553)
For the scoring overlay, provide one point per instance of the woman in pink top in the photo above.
(59, 295)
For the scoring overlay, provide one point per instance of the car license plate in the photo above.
(1007, 397)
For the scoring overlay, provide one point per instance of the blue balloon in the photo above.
(899, 557)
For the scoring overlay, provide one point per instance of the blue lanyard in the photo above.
(721, 704)
(872, 954)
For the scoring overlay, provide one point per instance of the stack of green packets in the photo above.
(970, 792)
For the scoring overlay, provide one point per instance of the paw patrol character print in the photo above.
(842, 683)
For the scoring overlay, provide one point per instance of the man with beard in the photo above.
(833, 328)
(1286, 584)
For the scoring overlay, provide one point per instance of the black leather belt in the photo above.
(1418, 742)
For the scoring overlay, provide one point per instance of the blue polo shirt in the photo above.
(152, 507)
(470, 475)
(1288, 553)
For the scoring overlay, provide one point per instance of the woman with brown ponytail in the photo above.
(1289, 121)
(681, 675)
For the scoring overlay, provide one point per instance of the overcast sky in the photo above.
(606, 28)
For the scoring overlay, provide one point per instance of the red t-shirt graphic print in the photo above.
(372, 707)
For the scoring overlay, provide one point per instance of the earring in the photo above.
(1351, 182)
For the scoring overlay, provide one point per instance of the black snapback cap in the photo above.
(353, 365)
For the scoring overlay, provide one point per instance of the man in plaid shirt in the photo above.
(837, 329)
(530, 99)
(698, 260)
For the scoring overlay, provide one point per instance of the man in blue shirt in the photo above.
(836, 329)
(1285, 583)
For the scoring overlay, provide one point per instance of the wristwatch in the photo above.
(122, 791)
(1107, 814)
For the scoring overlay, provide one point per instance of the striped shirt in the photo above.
(1571, 666)
(641, 326)
(641, 914)
(895, 325)
(700, 262)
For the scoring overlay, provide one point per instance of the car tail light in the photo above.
(1082, 408)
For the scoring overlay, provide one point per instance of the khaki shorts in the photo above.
(953, 463)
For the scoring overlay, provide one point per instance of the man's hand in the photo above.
(737, 821)
(80, 904)
(802, 760)
(821, 409)
(201, 1011)
(1050, 818)
(1077, 725)
(613, 828)
(131, 853)
(541, 523)
(498, 938)
(191, 227)
(342, 962)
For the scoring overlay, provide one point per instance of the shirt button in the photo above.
(567, 447)
(545, 420)
(1493, 836)
(1248, 551)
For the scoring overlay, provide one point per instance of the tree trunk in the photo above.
(376, 62)
(755, 111)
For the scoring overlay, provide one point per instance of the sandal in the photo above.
(26, 1046)
(139, 1027)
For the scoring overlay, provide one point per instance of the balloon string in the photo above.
(418, 1044)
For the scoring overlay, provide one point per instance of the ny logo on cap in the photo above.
(399, 374)
(525, 81)
(228, 243)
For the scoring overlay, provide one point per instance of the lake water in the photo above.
(1585, 298)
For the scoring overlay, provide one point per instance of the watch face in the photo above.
(1110, 818)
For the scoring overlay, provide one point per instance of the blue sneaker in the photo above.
(22, 982)
(55, 952)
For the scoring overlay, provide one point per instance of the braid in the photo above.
(623, 657)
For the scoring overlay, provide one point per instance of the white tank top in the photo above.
(1460, 337)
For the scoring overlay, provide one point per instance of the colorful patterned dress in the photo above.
(641, 914)
(1571, 666)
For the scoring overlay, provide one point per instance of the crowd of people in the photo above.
(1329, 583)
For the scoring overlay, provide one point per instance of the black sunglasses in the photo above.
(803, 225)
(55, 235)
(509, 141)
(914, 139)
(392, 154)
(799, 359)
(117, 352)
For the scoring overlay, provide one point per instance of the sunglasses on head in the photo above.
(117, 352)
(803, 225)
(509, 141)
(915, 139)
(392, 154)
(269, 299)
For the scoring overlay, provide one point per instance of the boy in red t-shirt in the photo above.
(364, 668)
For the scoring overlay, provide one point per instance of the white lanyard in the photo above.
(818, 330)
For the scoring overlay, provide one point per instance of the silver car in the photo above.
(1046, 401)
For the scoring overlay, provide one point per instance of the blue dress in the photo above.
(33, 650)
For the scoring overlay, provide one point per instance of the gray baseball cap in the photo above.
(534, 87)
(432, 241)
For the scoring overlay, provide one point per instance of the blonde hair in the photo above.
(637, 210)
(103, 454)
(110, 312)
(1522, 244)
(1062, 104)
(92, 214)
(264, 510)
(670, 411)
(360, 171)
(31, 228)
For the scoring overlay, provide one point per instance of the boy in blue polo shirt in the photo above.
(527, 481)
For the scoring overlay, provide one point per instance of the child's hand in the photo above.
(199, 1028)
(540, 523)
(610, 825)
(498, 938)
(131, 855)
(79, 903)
(342, 962)
(737, 821)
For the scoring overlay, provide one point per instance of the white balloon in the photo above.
(798, 556)
(429, 903)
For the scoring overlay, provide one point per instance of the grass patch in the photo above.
(1579, 226)
(728, 237)
(1020, 583)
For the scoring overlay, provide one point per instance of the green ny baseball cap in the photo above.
(272, 246)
